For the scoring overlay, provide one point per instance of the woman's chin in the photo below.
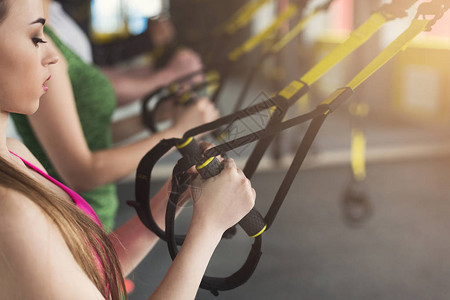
(29, 110)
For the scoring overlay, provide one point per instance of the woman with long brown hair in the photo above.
(52, 245)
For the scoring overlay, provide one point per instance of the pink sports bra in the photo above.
(77, 199)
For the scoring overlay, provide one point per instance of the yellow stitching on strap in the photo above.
(205, 163)
(185, 143)
(259, 233)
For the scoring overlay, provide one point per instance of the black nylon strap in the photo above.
(249, 79)
(263, 144)
(297, 162)
(262, 134)
(142, 187)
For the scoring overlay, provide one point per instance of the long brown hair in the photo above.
(86, 240)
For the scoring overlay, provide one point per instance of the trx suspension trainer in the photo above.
(207, 165)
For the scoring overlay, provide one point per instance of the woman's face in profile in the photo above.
(24, 57)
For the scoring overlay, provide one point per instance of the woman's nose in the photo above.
(51, 56)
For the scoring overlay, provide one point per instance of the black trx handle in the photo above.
(253, 223)
(154, 100)
(150, 104)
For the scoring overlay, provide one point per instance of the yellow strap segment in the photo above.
(358, 154)
(255, 40)
(291, 89)
(358, 37)
(184, 98)
(212, 75)
(259, 233)
(400, 43)
(187, 142)
(243, 16)
(296, 30)
(205, 163)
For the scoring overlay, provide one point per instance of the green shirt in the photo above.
(95, 102)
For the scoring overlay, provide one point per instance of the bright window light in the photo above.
(109, 16)
(106, 16)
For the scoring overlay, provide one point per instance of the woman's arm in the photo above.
(126, 128)
(58, 129)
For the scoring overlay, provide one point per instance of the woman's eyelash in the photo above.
(37, 41)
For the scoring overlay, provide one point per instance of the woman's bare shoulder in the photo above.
(18, 211)
(35, 261)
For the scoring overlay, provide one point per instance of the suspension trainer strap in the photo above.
(336, 99)
(276, 48)
(256, 40)
(417, 26)
(356, 39)
(297, 29)
(355, 202)
(142, 186)
(243, 16)
(302, 151)
(358, 154)
(296, 90)
(252, 43)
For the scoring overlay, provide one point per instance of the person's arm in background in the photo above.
(127, 127)
(59, 131)
(130, 88)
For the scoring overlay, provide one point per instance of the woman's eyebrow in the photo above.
(40, 20)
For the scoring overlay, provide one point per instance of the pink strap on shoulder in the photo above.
(77, 199)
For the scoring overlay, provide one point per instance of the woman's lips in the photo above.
(44, 87)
